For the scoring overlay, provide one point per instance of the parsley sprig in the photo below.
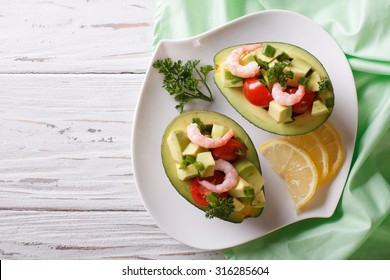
(202, 127)
(182, 80)
(324, 84)
(220, 208)
(277, 73)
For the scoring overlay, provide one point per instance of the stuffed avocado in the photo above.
(279, 87)
(212, 163)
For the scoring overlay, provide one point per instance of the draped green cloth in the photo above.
(360, 226)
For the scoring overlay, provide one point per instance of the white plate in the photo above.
(155, 110)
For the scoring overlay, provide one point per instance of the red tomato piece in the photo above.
(231, 151)
(306, 102)
(256, 93)
(199, 193)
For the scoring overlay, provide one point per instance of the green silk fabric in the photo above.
(360, 226)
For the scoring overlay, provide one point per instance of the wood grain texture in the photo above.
(67, 188)
(75, 36)
(89, 235)
(71, 73)
(68, 142)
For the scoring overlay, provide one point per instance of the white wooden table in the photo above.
(70, 75)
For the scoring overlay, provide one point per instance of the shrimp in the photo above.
(244, 71)
(230, 181)
(284, 98)
(196, 137)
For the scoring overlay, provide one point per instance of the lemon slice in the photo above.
(313, 145)
(334, 147)
(295, 166)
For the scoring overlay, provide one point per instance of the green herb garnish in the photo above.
(187, 160)
(282, 57)
(199, 166)
(212, 197)
(262, 64)
(201, 125)
(277, 73)
(324, 84)
(220, 208)
(329, 102)
(303, 81)
(182, 80)
(249, 192)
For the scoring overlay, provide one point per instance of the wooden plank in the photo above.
(66, 184)
(66, 142)
(89, 235)
(76, 36)
(67, 189)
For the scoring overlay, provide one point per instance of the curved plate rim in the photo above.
(142, 128)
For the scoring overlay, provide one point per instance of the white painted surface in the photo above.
(70, 74)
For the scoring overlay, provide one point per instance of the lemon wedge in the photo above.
(295, 166)
(334, 147)
(313, 145)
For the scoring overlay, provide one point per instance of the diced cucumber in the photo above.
(230, 80)
(283, 56)
(268, 50)
(259, 56)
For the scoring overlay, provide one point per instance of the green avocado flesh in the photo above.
(304, 65)
(248, 168)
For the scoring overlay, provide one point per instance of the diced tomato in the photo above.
(231, 151)
(199, 193)
(306, 102)
(256, 93)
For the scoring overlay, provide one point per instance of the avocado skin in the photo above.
(258, 116)
(207, 117)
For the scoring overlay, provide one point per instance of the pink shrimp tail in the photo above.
(196, 137)
(230, 181)
(287, 99)
(244, 71)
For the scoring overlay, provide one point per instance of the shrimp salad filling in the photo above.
(212, 162)
(281, 83)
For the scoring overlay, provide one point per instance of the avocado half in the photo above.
(259, 116)
(183, 187)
